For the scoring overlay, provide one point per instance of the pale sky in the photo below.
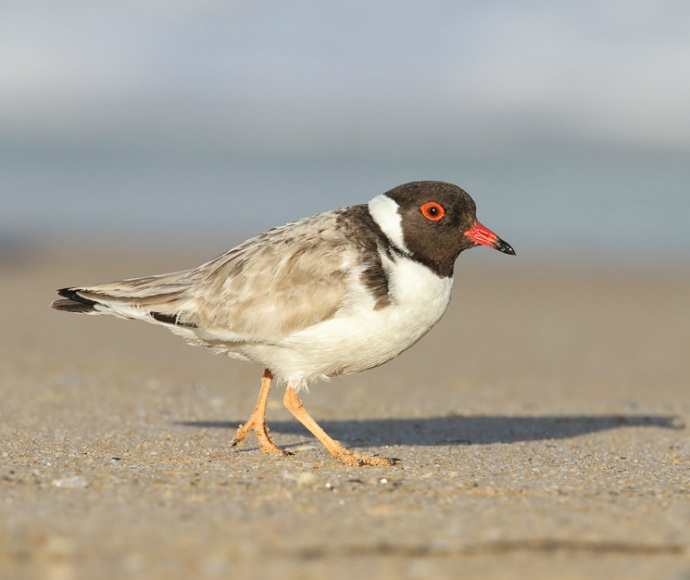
(359, 78)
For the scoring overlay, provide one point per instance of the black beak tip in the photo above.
(504, 247)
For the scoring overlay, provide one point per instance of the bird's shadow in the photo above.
(461, 429)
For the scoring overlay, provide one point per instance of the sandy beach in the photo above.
(541, 429)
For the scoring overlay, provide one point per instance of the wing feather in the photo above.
(280, 282)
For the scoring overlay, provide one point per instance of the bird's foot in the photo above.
(257, 424)
(354, 459)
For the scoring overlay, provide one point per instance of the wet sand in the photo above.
(540, 427)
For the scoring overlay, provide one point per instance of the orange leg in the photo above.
(293, 404)
(257, 421)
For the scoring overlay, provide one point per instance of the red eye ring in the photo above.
(432, 211)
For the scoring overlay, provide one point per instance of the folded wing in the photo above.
(277, 283)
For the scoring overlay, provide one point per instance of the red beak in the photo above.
(480, 234)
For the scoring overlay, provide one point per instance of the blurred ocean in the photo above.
(583, 204)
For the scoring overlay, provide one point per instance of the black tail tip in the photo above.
(73, 302)
(70, 293)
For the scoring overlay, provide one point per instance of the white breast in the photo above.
(360, 337)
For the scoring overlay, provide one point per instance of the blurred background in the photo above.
(541, 425)
(205, 122)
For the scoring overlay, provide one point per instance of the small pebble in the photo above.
(306, 479)
(77, 481)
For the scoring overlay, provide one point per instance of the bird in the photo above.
(336, 293)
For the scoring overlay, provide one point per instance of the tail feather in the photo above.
(92, 296)
(158, 299)
(73, 302)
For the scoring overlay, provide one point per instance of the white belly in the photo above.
(360, 337)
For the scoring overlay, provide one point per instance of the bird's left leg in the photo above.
(257, 421)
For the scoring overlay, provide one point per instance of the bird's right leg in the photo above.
(257, 421)
(294, 404)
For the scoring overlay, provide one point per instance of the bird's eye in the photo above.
(432, 211)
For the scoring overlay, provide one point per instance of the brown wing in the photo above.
(280, 282)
